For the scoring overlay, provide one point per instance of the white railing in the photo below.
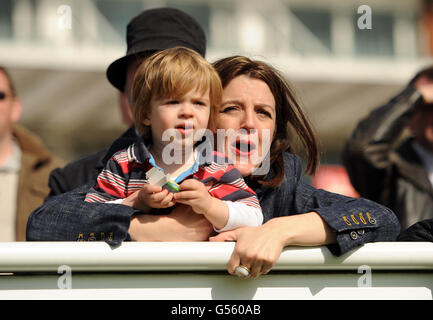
(201, 256)
(167, 270)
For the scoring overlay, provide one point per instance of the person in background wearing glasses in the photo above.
(25, 165)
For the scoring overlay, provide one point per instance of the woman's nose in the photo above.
(248, 121)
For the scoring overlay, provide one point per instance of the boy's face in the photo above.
(178, 117)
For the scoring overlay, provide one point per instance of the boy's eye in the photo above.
(172, 101)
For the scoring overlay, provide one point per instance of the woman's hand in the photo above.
(259, 248)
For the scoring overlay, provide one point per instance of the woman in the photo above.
(255, 98)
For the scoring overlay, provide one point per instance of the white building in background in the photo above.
(58, 51)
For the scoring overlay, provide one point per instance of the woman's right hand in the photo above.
(257, 248)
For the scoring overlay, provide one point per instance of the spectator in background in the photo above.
(391, 167)
(25, 165)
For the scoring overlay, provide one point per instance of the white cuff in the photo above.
(242, 215)
(117, 201)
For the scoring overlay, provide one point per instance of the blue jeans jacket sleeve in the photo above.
(66, 217)
(354, 221)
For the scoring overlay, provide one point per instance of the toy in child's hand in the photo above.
(156, 177)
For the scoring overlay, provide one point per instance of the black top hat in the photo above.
(155, 30)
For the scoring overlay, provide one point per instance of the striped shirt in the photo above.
(125, 173)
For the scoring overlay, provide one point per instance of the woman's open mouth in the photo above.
(243, 147)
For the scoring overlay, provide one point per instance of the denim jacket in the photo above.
(354, 221)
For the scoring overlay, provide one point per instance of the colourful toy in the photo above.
(156, 177)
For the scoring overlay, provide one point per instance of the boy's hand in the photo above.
(195, 194)
(148, 197)
(155, 197)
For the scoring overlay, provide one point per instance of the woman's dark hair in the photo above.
(289, 114)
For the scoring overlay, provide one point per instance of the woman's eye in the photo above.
(264, 113)
(228, 109)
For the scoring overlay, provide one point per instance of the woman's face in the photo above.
(248, 108)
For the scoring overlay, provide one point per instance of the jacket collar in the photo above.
(139, 152)
(13, 163)
(127, 138)
(31, 144)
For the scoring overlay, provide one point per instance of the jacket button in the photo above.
(360, 231)
(372, 220)
(354, 235)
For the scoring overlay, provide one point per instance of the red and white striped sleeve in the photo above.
(112, 182)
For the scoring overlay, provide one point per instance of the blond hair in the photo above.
(173, 73)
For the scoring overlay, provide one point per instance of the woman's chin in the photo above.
(245, 169)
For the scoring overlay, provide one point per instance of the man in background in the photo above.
(389, 156)
(25, 165)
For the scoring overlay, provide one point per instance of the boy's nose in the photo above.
(186, 110)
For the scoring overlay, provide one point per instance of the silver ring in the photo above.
(242, 272)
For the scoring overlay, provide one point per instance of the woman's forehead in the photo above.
(244, 87)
